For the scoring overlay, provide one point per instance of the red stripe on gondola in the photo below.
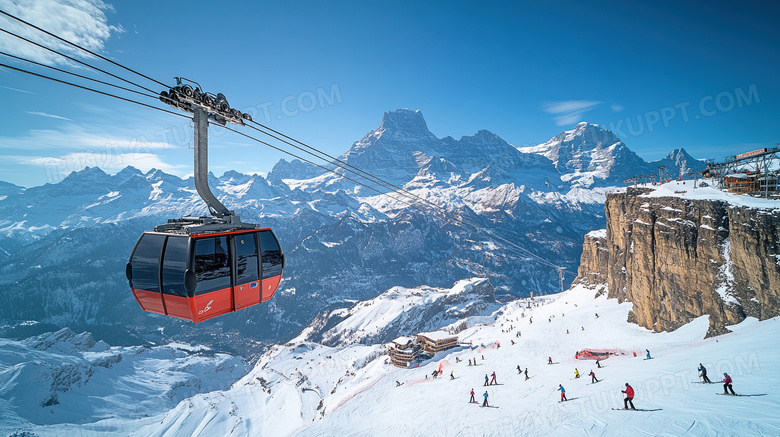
(211, 304)
(269, 287)
(149, 300)
(246, 295)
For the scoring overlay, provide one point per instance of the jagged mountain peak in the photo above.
(406, 120)
(129, 171)
(590, 154)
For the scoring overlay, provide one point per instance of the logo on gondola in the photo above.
(253, 285)
(208, 307)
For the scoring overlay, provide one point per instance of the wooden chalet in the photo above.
(436, 341)
(403, 351)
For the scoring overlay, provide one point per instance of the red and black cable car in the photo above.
(193, 271)
(196, 268)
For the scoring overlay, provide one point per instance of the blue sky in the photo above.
(661, 75)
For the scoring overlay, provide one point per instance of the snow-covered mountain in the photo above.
(399, 311)
(64, 246)
(589, 155)
(59, 382)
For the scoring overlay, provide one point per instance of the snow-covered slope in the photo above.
(400, 311)
(60, 381)
(337, 388)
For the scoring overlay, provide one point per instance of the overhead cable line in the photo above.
(338, 162)
(316, 165)
(81, 48)
(10, 67)
(77, 75)
(76, 60)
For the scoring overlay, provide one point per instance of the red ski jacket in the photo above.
(629, 391)
(727, 379)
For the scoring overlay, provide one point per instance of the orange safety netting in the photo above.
(598, 354)
(360, 390)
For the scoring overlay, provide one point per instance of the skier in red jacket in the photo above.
(629, 391)
(727, 384)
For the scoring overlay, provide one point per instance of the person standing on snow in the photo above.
(576, 373)
(727, 384)
(452, 375)
(485, 402)
(472, 400)
(648, 354)
(493, 380)
(629, 391)
(563, 392)
(486, 380)
(703, 374)
(598, 363)
(593, 379)
(526, 374)
(519, 370)
(549, 360)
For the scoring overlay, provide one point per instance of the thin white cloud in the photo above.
(569, 111)
(82, 22)
(108, 160)
(615, 107)
(86, 139)
(18, 90)
(43, 114)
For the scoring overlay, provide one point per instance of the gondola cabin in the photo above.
(196, 272)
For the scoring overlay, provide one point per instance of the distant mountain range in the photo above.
(64, 245)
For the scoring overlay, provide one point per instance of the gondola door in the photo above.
(213, 295)
(272, 263)
(247, 287)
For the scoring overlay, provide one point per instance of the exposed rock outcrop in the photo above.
(676, 259)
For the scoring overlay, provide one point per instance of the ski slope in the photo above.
(353, 391)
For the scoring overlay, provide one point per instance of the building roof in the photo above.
(438, 335)
(402, 341)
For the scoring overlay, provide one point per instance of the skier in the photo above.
(526, 374)
(567, 331)
(727, 385)
(576, 373)
(598, 363)
(597, 315)
(519, 370)
(629, 391)
(486, 380)
(435, 374)
(452, 375)
(703, 374)
(549, 360)
(493, 380)
(563, 392)
(582, 328)
(472, 397)
(469, 361)
(648, 355)
(397, 384)
(485, 402)
(593, 379)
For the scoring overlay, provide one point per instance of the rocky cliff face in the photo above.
(677, 259)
